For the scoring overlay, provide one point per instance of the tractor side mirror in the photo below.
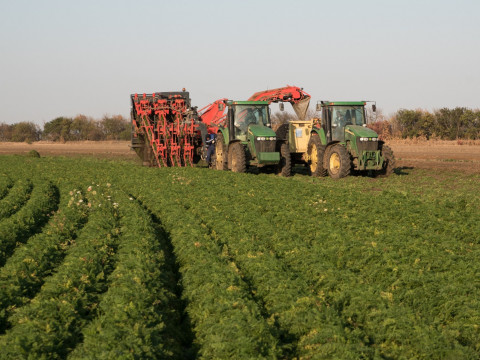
(221, 107)
(281, 106)
(319, 107)
(374, 108)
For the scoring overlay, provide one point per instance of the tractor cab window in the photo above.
(345, 115)
(250, 114)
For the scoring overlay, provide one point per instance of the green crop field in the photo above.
(110, 260)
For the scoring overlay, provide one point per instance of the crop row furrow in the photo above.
(138, 315)
(5, 184)
(306, 323)
(25, 271)
(16, 198)
(227, 320)
(50, 325)
(29, 219)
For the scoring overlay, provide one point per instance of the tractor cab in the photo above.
(248, 114)
(339, 118)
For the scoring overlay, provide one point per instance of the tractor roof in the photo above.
(230, 102)
(344, 103)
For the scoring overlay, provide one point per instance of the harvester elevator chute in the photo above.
(164, 127)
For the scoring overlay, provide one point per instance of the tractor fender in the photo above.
(329, 145)
(320, 133)
(225, 134)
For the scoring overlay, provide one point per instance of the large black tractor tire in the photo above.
(238, 162)
(338, 162)
(220, 153)
(284, 168)
(388, 162)
(282, 132)
(316, 153)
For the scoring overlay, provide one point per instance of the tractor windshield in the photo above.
(343, 115)
(250, 114)
(347, 115)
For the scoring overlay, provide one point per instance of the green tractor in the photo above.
(340, 142)
(246, 139)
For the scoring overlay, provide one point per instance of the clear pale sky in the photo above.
(63, 58)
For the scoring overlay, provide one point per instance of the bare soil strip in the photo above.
(449, 155)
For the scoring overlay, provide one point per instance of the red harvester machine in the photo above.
(164, 128)
(168, 131)
(213, 115)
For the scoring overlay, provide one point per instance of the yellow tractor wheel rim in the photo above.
(334, 163)
(313, 159)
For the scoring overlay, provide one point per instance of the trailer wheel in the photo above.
(316, 153)
(284, 168)
(220, 153)
(238, 162)
(338, 161)
(388, 162)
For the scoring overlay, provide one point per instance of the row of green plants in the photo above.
(267, 266)
(29, 219)
(50, 325)
(380, 275)
(356, 257)
(25, 271)
(5, 184)
(140, 313)
(16, 198)
(226, 319)
(358, 278)
(305, 324)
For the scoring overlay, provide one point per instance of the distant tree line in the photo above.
(445, 124)
(64, 129)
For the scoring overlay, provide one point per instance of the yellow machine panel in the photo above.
(299, 135)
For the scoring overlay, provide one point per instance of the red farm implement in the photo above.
(164, 128)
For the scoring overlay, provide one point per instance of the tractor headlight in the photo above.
(262, 138)
(374, 139)
(363, 139)
(273, 138)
